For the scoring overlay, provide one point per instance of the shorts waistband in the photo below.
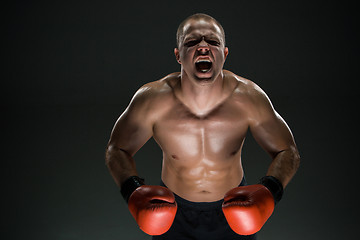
(202, 206)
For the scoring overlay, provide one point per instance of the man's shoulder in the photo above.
(244, 88)
(157, 90)
(162, 85)
(248, 96)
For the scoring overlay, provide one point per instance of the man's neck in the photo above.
(201, 96)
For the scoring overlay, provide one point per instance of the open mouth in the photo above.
(203, 65)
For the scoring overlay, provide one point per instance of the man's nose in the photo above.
(203, 47)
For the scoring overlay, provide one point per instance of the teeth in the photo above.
(203, 60)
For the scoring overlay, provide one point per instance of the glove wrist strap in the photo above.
(129, 186)
(274, 186)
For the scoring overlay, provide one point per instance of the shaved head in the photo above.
(196, 17)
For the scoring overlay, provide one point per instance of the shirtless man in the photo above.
(199, 117)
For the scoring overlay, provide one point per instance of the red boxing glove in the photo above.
(247, 208)
(153, 208)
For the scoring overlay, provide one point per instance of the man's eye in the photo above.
(191, 43)
(213, 42)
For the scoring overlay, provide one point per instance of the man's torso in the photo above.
(201, 154)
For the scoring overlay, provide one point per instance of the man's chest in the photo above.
(221, 131)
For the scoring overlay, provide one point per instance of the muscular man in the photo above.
(199, 117)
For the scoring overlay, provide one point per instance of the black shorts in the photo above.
(201, 221)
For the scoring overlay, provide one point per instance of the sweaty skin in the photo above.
(199, 118)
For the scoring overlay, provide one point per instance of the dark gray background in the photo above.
(72, 67)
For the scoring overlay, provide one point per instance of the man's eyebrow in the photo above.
(194, 35)
(210, 36)
(213, 37)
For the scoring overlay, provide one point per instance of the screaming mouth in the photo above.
(203, 65)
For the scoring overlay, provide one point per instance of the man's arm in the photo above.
(131, 131)
(274, 136)
(255, 203)
(153, 207)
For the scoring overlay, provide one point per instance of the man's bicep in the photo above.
(129, 135)
(132, 129)
(273, 134)
(268, 128)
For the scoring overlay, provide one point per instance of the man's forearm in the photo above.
(285, 165)
(120, 164)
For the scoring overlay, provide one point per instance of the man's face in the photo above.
(201, 51)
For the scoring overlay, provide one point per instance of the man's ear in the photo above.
(177, 55)
(226, 52)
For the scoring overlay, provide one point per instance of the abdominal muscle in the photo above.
(202, 180)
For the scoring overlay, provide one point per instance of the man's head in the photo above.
(197, 16)
(201, 47)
